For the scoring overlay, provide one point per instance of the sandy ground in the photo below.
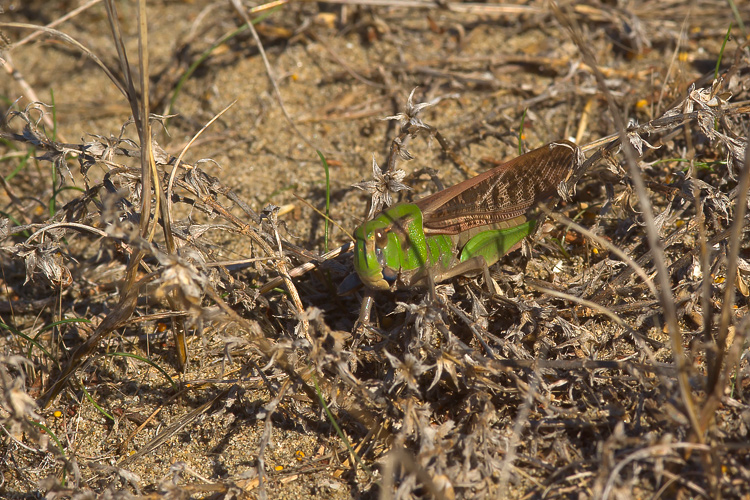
(339, 71)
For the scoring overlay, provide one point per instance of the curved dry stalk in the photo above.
(70, 15)
(74, 225)
(601, 309)
(178, 163)
(718, 380)
(649, 452)
(609, 246)
(665, 291)
(76, 44)
(241, 11)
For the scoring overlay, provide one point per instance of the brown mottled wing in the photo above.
(504, 193)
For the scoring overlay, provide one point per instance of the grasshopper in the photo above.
(462, 229)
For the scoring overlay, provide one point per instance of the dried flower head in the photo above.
(381, 187)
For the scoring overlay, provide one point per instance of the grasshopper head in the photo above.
(389, 245)
(370, 249)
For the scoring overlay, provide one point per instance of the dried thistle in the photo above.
(381, 187)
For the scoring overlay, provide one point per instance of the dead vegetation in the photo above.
(140, 358)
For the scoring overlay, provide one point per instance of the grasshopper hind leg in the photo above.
(474, 265)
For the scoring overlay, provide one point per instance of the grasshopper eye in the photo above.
(381, 239)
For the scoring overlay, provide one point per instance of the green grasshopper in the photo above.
(463, 229)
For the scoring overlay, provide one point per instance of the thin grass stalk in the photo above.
(129, 296)
(725, 365)
(67, 38)
(665, 292)
(261, 50)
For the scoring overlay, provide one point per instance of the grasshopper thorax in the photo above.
(388, 245)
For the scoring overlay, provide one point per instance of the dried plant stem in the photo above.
(177, 426)
(637, 337)
(178, 162)
(608, 245)
(726, 365)
(306, 267)
(118, 317)
(13, 71)
(476, 8)
(283, 271)
(665, 291)
(76, 44)
(647, 453)
(70, 15)
(241, 11)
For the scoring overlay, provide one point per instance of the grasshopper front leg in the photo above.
(365, 310)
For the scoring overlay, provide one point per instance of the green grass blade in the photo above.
(149, 362)
(328, 195)
(335, 424)
(96, 405)
(51, 434)
(721, 52)
(21, 165)
(32, 341)
(62, 322)
(207, 53)
(737, 17)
